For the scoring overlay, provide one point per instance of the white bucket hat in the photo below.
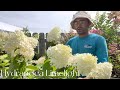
(82, 14)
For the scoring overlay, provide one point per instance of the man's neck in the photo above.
(83, 35)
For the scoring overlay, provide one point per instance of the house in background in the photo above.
(8, 27)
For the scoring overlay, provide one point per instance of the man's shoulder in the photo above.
(73, 38)
(97, 36)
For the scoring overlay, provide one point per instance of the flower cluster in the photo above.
(59, 55)
(115, 15)
(84, 63)
(39, 61)
(19, 44)
(3, 37)
(113, 49)
(102, 71)
(96, 31)
(33, 42)
(54, 35)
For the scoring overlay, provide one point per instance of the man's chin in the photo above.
(80, 33)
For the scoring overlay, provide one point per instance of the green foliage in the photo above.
(4, 64)
(103, 23)
(35, 35)
(26, 31)
(4, 61)
(110, 32)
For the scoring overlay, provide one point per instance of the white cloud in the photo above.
(39, 21)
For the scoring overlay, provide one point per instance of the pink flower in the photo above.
(96, 31)
(113, 48)
(117, 20)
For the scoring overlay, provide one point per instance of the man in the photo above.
(85, 42)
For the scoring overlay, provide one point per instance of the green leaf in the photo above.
(54, 68)
(13, 65)
(69, 69)
(3, 56)
(47, 68)
(39, 66)
(4, 64)
(22, 66)
(6, 61)
(47, 65)
(32, 67)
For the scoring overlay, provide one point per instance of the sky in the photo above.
(37, 21)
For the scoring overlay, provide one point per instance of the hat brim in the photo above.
(91, 25)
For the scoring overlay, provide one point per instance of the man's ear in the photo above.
(90, 24)
(72, 25)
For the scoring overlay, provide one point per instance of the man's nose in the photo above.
(79, 25)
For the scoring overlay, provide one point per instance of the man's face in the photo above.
(81, 25)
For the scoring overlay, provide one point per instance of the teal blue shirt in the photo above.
(93, 43)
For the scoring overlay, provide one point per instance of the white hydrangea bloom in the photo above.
(39, 61)
(84, 63)
(59, 55)
(18, 43)
(71, 61)
(102, 71)
(54, 35)
(3, 37)
(11, 44)
(27, 51)
(33, 41)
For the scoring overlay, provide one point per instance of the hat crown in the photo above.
(81, 14)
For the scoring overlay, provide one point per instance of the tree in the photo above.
(26, 31)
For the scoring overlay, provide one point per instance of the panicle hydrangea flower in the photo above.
(33, 41)
(102, 71)
(54, 35)
(59, 55)
(18, 43)
(84, 63)
(3, 38)
(40, 60)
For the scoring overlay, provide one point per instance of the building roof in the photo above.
(8, 27)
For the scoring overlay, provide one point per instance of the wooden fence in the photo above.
(42, 46)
